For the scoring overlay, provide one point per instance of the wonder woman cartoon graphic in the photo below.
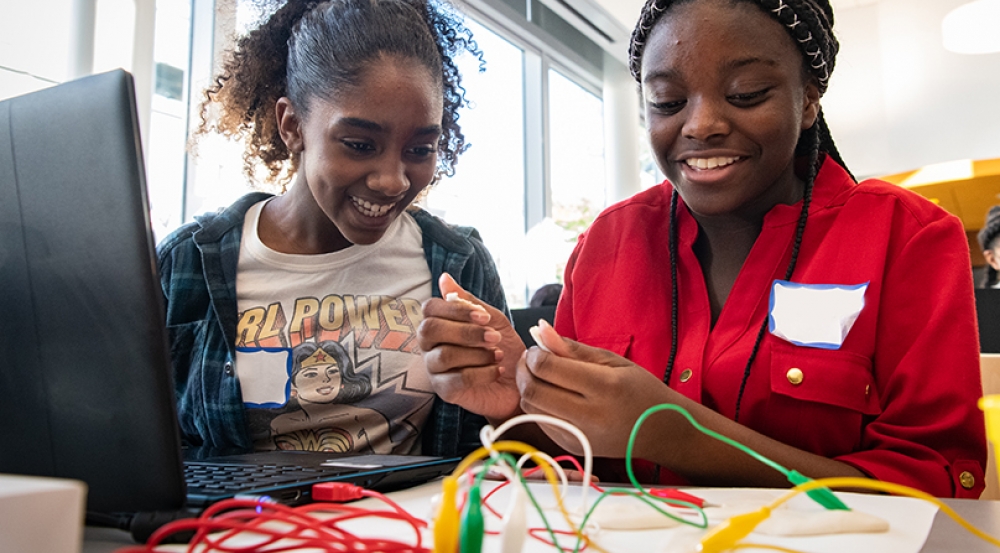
(324, 385)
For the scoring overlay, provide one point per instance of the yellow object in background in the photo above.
(991, 406)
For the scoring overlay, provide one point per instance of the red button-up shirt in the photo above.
(897, 400)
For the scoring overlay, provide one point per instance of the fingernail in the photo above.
(479, 316)
(537, 335)
(491, 336)
(498, 355)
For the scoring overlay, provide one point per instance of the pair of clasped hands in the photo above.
(477, 361)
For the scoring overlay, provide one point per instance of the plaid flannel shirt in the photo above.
(197, 264)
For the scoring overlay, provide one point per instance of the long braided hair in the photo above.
(810, 24)
(315, 48)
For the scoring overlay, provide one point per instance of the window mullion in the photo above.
(537, 192)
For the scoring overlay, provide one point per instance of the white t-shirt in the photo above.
(364, 389)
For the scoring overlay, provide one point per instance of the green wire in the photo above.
(524, 485)
(823, 496)
(645, 498)
(473, 528)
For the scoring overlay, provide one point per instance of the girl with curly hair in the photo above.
(351, 107)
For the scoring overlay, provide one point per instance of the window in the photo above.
(576, 122)
(168, 121)
(534, 176)
(487, 191)
(532, 179)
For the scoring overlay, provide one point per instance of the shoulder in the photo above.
(459, 251)
(453, 238)
(874, 207)
(209, 227)
(886, 220)
(878, 198)
(652, 202)
(181, 251)
(877, 192)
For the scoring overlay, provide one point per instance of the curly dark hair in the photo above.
(313, 49)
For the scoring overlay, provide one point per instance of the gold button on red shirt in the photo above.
(686, 375)
(795, 376)
(967, 480)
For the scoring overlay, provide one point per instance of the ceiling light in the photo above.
(972, 28)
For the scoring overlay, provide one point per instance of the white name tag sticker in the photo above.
(814, 315)
(265, 376)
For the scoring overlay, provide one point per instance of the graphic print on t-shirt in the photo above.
(340, 374)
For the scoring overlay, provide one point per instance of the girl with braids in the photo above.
(825, 323)
(354, 103)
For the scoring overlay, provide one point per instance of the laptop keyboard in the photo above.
(220, 478)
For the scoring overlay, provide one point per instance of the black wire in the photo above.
(817, 135)
(672, 247)
(106, 520)
(800, 230)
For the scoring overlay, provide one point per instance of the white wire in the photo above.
(488, 435)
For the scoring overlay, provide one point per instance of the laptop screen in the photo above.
(84, 365)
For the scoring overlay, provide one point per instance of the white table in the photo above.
(945, 535)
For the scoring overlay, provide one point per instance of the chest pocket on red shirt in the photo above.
(617, 344)
(820, 399)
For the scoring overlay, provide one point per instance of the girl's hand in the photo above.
(470, 351)
(601, 393)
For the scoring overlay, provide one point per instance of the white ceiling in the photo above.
(626, 11)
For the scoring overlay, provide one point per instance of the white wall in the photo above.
(898, 100)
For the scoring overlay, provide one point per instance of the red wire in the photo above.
(237, 516)
(539, 530)
(222, 521)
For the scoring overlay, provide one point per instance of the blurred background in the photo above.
(555, 122)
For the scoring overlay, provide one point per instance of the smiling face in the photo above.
(367, 152)
(726, 99)
(318, 384)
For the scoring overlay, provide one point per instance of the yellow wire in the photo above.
(898, 489)
(725, 536)
(507, 446)
(764, 546)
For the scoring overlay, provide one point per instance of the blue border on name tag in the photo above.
(288, 373)
(794, 285)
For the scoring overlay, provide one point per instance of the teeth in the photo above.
(710, 162)
(369, 209)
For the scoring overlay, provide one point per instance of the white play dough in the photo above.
(629, 516)
(789, 522)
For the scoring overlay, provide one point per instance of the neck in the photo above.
(293, 223)
(724, 241)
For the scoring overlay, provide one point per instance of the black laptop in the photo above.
(85, 377)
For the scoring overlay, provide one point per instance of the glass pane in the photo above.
(114, 28)
(649, 172)
(576, 131)
(165, 153)
(487, 191)
(216, 177)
